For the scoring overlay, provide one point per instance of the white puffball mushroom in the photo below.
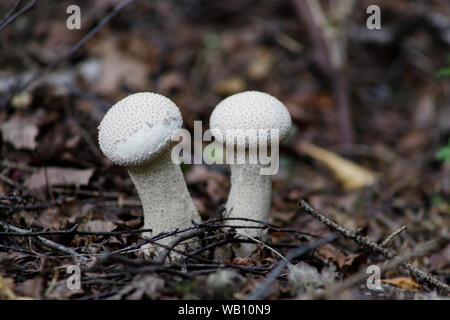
(250, 193)
(136, 133)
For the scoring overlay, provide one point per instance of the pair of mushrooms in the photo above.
(136, 133)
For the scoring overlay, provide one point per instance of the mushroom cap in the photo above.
(138, 128)
(250, 110)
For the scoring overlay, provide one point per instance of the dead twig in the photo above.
(9, 17)
(10, 12)
(332, 291)
(261, 292)
(47, 242)
(193, 234)
(267, 225)
(365, 242)
(17, 87)
(208, 224)
(329, 57)
(264, 245)
(71, 231)
(395, 234)
(153, 239)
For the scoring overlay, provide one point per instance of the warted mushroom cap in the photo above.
(250, 110)
(138, 128)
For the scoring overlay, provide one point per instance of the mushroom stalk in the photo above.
(136, 133)
(164, 196)
(250, 197)
(234, 121)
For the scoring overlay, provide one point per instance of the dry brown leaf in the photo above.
(124, 59)
(404, 283)
(261, 64)
(6, 289)
(171, 80)
(31, 288)
(283, 216)
(329, 253)
(2, 190)
(242, 261)
(440, 260)
(425, 111)
(59, 176)
(229, 86)
(98, 225)
(217, 185)
(20, 132)
(61, 291)
(351, 175)
(413, 140)
(142, 286)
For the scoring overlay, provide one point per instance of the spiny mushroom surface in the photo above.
(136, 133)
(250, 193)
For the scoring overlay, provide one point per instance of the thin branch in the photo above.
(47, 242)
(153, 239)
(365, 242)
(265, 245)
(269, 226)
(72, 231)
(329, 56)
(193, 234)
(10, 12)
(333, 290)
(261, 292)
(391, 238)
(8, 19)
(20, 87)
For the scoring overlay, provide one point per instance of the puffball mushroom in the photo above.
(250, 193)
(136, 133)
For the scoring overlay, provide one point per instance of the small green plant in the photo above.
(437, 200)
(444, 72)
(444, 153)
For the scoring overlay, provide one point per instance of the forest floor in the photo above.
(372, 170)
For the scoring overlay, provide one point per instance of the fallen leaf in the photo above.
(124, 59)
(404, 283)
(6, 289)
(329, 253)
(261, 64)
(425, 113)
(98, 225)
(351, 175)
(170, 81)
(441, 259)
(31, 288)
(413, 140)
(141, 287)
(61, 291)
(283, 216)
(242, 261)
(20, 132)
(216, 184)
(229, 86)
(59, 176)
